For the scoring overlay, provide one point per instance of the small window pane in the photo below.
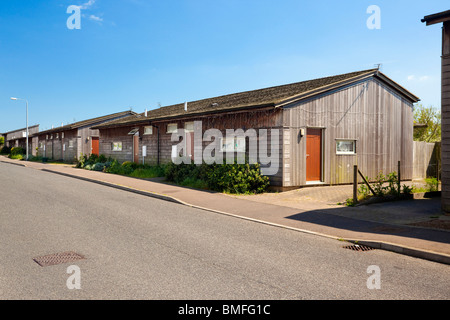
(171, 128)
(189, 127)
(148, 130)
(345, 147)
(117, 146)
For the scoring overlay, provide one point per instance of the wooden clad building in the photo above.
(68, 142)
(444, 18)
(321, 127)
(18, 138)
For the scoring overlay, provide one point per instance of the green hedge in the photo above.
(229, 178)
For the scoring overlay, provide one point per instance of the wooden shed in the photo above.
(323, 126)
(68, 142)
(444, 18)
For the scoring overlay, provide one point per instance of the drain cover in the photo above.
(357, 247)
(57, 258)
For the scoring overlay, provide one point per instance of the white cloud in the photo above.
(418, 78)
(95, 18)
(88, 4)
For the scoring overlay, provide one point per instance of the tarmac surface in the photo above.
(405, 227)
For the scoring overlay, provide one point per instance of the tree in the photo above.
(2, 140)
(431, 119)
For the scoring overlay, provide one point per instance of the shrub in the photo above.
(16, 156)
(432, 184)
(229, 178)
(5, 150)
(17, 150)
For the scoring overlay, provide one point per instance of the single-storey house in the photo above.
(313, 132)
(18, 138)
(69, 142)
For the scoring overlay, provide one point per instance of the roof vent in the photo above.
(185, 106)
(214, 104)
(145, 112)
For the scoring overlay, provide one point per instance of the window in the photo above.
(172, 127)
(71, 143)
(189, 127)
(62, 135)
(46, 137)
(57, 136)
(345, 147)
(148, 130)
(116, 146)
(236, 144)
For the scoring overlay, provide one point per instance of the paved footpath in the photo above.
(337, 222)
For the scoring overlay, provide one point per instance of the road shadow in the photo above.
(353, 219)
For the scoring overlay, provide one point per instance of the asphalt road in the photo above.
(137, 247)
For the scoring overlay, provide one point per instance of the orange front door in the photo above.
(313, 154)
(95, 146)
(136, 148)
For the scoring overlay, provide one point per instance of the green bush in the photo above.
(16, 156)
(229, 178)
(17, 150)
(5, 150)
(432, 184)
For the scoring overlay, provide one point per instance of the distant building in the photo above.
(68, 142)
(18, 138)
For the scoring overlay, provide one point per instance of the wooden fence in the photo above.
(426, 160)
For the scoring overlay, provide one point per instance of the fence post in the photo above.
(355, 184)
(398, 179)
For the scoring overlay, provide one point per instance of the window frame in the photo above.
(150, 128)
(172, 130)
(348, 153)
(115, 146)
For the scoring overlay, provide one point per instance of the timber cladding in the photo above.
(111, 137)
(369, 113)
(58, 146)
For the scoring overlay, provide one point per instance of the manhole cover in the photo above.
(57, 258)
(357, 247)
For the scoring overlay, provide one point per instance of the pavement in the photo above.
(412, 227)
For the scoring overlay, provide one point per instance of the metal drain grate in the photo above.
(58, 258)
(357, 247)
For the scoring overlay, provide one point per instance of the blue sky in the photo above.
(140, 54)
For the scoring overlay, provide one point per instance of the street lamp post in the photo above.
(12, 98)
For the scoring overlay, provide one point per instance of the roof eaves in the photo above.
(413, 98)
(437, 17)
(87, 122)
(141, 121)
